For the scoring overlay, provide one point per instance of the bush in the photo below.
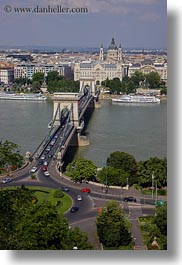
(58, 203)
(58, 194)
(33, 176)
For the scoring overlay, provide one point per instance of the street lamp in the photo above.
(106, 176)
(156, 192)
(127, 183)
(153, 184)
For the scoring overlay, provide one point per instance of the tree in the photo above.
(130, 87)
(114, 85)
(26, 225)
(112, 227)
(36, 85)
(39, 77)
(81, 169)
(22, 81)
(156, 166)
(41, 228)
(12, 207)
(126, 162)
(114, 176)
(153, 79)
(52, 76)
(79, 239)
(158, 227)
(163, 91)
(160, 218)
(137, 77)
(9, 156)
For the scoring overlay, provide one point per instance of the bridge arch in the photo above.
(88, 82)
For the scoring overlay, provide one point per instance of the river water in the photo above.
(140, 130)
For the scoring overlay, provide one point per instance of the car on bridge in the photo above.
(48, 148)
(85, 190)
(129, 199)
(43, 157)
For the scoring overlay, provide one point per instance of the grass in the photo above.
(128, 247)
(46, 194)
(145, 224)
(159, 192)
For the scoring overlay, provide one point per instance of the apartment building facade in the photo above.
(26, 70)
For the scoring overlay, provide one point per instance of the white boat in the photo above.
(22, 96)
(136, 99)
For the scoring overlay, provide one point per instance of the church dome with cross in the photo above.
(114, 54)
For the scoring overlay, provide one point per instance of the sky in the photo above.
(133, 23)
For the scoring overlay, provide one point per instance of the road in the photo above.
(85, 218)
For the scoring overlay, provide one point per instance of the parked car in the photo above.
(34, 169)
(85, 190)
(74, 209)
(130, 199)
(79, 198)
(6, 180)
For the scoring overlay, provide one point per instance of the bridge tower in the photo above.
(90, 83)
(66, 100)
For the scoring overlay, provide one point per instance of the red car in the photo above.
(86, 190)
(44, 168)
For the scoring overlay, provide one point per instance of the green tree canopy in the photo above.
(156, 166)
(36, 85)
(126, 162)
(81, 169)
(163, 91)
(28, 226)
(39, 77)
(57, 83)
(112, 227)
(160, 218)
(9, 156)
(114, 176)
(137, 77)
(52, 76)
(153, 79)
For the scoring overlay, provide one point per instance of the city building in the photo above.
(109, 65)
(26, 70)
(148, 66)
(6, 75)
(114, 54)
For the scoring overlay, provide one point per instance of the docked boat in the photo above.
(22, 96)
(136, 99)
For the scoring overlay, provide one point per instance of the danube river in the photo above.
(140, 130)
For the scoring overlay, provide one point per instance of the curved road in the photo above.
(85, 217)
